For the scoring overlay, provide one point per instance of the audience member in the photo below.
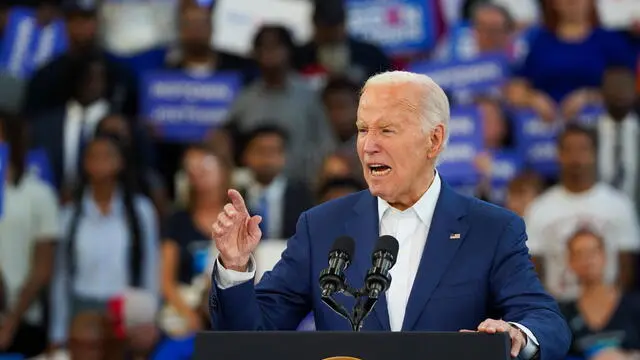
(618, 133)
(338, 187)
(283, 97)
(332, 51)
(561, 85)
(186, 247)
(581, 199)
(335, 165)
(28, 233)
(522, 190)
(604, 317)
(63, 131)
(50, 87)
(110, 238)
(278, 198)
(150, 182)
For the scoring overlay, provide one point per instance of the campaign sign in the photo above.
(536, 141)
(4, 163)
(398, 26)
(182, 107)
(465, 143)
(590, 115)
(481, 75)
(26, 45)
(38, 164)
(506, 165)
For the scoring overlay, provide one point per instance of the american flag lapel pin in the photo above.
(455, 236)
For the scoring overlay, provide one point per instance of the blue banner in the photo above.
(590, 115)
(465, 143)
(506, 164)
(38, 164)
(465, 79)
(26, 46)
(4, 164)
(398, 26)
(184, 108)
(536, 141)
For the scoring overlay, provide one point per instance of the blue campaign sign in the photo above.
(38, 164)
(398, 26)
(536, 142)
(183, 107)
(26, 45)
(590, 115)
(506, 165)
(4, 163)
(482, 75)
(465, 143)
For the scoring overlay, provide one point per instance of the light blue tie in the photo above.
(263, 210)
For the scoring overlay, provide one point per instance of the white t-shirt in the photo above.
(29, 215)
(557, 214)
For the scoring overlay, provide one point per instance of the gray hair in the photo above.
(434, 104)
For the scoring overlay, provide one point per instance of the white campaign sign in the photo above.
(236, 21)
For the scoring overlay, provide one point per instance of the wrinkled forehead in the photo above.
(389, 102)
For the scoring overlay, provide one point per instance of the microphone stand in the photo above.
(362, 308)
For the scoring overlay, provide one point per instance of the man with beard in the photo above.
(50, 87)
(580, 200)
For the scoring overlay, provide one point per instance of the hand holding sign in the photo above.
(544, 106)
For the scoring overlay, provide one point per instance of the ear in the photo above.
(436, 137)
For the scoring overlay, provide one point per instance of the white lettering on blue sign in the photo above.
(186, 113)
(371, 22)
(191, 91)
(461, 126)
(460, 152)
(543, 151)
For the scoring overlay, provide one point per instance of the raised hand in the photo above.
(236, 234)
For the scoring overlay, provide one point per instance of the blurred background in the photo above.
(123, 122)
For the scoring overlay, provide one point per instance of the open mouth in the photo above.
(379, 169)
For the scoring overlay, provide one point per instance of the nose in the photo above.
(371, 144)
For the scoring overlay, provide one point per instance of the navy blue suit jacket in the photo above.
(486, 273)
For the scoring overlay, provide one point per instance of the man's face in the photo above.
(397, 156)
(195, 29)
(342, 108)
(265, 156)
(618, 89)
(577, 155)
(82, 30)
(491, 30)
(271, 53)
(329, 34)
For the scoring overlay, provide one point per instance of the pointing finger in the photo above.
(237, 201)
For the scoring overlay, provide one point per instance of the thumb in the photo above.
(253, 226)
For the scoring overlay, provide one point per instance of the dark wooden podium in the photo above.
(323, 345)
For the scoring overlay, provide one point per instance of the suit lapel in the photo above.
(438, 252)
(363, 228)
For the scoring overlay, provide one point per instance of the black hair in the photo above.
(509, 21)
(577, 129)
(15, 136)
(329, 12)
(340, 83)
(268, 129)
(340, 183)
(127, 183)
(282, 33)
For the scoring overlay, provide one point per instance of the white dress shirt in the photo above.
(411, 228)
(630, 129)
(274, 193)
(80, 121)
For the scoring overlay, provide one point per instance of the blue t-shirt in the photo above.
(558, 68)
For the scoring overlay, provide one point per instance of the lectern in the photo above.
(325, 345)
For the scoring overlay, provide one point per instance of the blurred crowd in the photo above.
(110, 255)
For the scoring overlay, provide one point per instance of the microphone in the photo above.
(332, 278)
(383, 258)
(378, 278)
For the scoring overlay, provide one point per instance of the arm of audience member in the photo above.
(519, 93)
(60, 301)
(279, 302)
(170, 261)
(628, 243)
(45, 224)
(151, 266)
(577, 100)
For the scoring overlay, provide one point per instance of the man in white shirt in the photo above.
(461, 264)
(580, 201)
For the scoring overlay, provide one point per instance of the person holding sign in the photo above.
(446, 240)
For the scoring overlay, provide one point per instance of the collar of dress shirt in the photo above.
(91, 208)
(425, 206)
(275, 187)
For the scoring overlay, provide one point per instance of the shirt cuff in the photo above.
(531, 348)
(226, 278)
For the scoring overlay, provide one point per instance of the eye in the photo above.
(387, 131)
(362, 131)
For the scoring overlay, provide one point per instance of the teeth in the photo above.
(378, 171)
